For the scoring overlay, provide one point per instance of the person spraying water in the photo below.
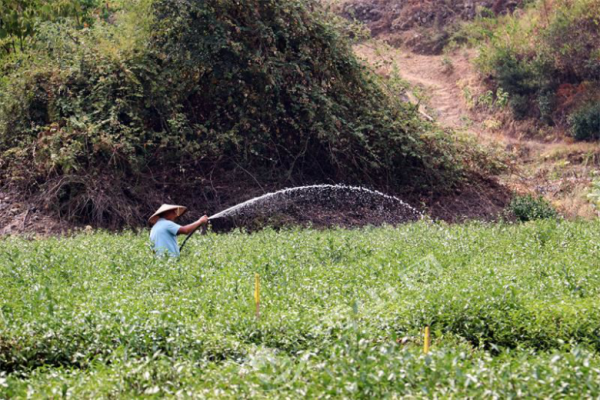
(164, 229)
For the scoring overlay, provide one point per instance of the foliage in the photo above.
(585, 122)
(532, 54)
(19, 19)
(472, 33)
(182, 89)
(529, 208)
(342, 313)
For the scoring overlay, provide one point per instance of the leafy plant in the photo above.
(502, 98)
(486, 100)
(529, 208)
(585, 122)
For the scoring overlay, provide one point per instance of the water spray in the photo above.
(310, 192)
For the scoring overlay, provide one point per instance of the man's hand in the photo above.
(186, 230)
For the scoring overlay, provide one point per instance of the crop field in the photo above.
(514, 311)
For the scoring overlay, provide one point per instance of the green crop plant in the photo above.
(341, 314)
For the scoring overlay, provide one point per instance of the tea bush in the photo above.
(342, 312)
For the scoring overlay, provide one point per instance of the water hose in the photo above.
(190, 235)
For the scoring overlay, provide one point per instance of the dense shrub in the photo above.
(585, 122)
(20, 20)
(176, 90)
(529, 208)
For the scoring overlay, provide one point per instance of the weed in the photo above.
(492, 124)
(486, 100)
(469, 98)
(502, 98)
(447, 65)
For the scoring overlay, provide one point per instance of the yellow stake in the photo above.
(427, 341)
(257, 293)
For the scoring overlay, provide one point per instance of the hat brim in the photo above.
(166, 208)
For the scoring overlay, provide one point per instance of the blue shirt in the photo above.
(164, 237)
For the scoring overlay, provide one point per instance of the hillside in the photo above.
(105, 112)
(465, 89)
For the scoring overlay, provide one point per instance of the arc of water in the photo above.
(238, 207)
(258, 199)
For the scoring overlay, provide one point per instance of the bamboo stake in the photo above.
(257, 293)
(427, 340)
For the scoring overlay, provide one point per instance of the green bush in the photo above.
(530, 208)
(585, 122)
(181, 90)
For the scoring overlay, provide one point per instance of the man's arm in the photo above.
(186, 230)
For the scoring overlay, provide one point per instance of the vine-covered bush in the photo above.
(171, 91)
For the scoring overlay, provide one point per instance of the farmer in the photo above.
(164, 231)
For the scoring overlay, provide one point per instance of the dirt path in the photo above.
(441, 82)
(444, 96)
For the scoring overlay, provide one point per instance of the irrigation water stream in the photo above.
(331, 195)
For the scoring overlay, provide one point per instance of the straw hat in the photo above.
(164, 208)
